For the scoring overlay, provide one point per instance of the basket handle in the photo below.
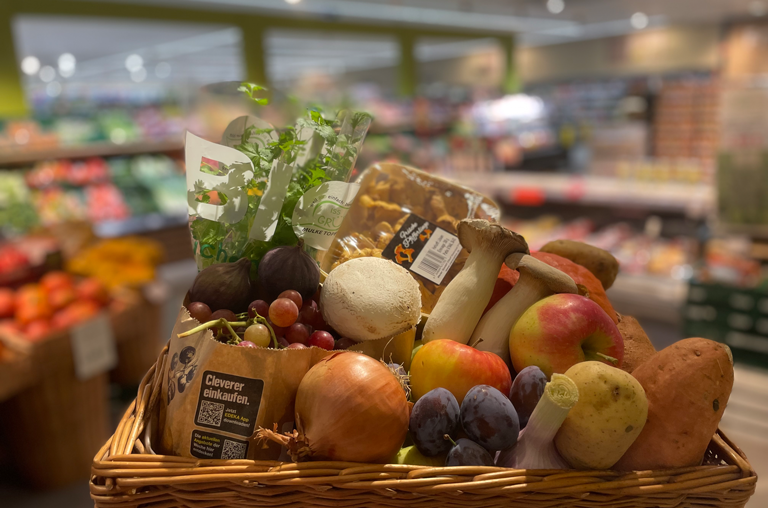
(136, 417)
(733, 452)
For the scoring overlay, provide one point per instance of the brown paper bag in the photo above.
(215, 396)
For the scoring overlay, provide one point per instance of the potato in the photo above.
(598, 261)
(687, 385)
(637, 346)
(606, 420)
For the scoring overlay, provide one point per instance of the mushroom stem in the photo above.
(463, 299)
(537, 280)
(493, 329)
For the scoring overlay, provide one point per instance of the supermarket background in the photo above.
(638, 126)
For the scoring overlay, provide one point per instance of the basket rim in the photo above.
(118, 471)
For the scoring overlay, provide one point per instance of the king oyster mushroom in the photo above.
(462, 303)
(537, 280)
(370, 298)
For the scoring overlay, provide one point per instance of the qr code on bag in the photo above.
(210, 413)
(233, 450)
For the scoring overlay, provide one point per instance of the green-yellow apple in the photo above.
(562, 330)
(457, 368)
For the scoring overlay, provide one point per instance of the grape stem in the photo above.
(223, 322)
(258, 318)
(212, 324)
(448, 438)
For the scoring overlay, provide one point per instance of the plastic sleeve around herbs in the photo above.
(245, 196)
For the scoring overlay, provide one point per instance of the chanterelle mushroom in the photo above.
(537, 280)
(462, 303)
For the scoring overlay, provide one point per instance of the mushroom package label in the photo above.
(214, 396)
(423, 248)
(410, 217)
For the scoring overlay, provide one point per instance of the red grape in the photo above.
(283, 312)
(224, 313)
(258, 306)
(321, 339)
(310, 315)
(293, 296)
(297, 345)
(297, 332)
(199, 311)
(344, 343)
(246, 343)
(284, 343)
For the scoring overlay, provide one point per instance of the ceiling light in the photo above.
(639, 20)
(30, 65)
(555, 6)
(757, 8)
(67, 64)
(47, 73)
(139, 75)
(163, 70)
(134, 62)
(53, 89)
(292, 2)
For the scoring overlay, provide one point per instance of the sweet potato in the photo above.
(580, 275)
(637, 346)
(600, 262)
(687, 385)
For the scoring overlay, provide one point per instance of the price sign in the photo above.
(93, 347)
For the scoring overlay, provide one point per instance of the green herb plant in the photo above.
(342, 139)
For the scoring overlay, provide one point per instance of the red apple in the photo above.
(562, 330)
(457, 368)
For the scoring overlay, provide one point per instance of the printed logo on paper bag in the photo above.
(228, 403)
(423, 248)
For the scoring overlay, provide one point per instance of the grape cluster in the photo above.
(295, 323)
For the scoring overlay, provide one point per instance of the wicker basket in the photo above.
(126, 475)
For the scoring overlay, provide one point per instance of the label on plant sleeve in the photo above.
(228, 403)
(320, 211)
(423, 248)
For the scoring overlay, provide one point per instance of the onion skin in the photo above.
(351, 408)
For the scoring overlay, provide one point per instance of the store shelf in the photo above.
(646, 296)
(102, 149)
(695, 200)
(140, 224)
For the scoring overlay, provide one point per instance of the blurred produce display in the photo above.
(113, 125)
(55, 303)
(94, 189)
(128, 261)
(16, 216)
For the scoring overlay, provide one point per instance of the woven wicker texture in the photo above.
(124, 476)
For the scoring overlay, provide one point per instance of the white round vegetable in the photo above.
(370, 298)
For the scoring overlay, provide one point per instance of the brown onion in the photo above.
(349, 407)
